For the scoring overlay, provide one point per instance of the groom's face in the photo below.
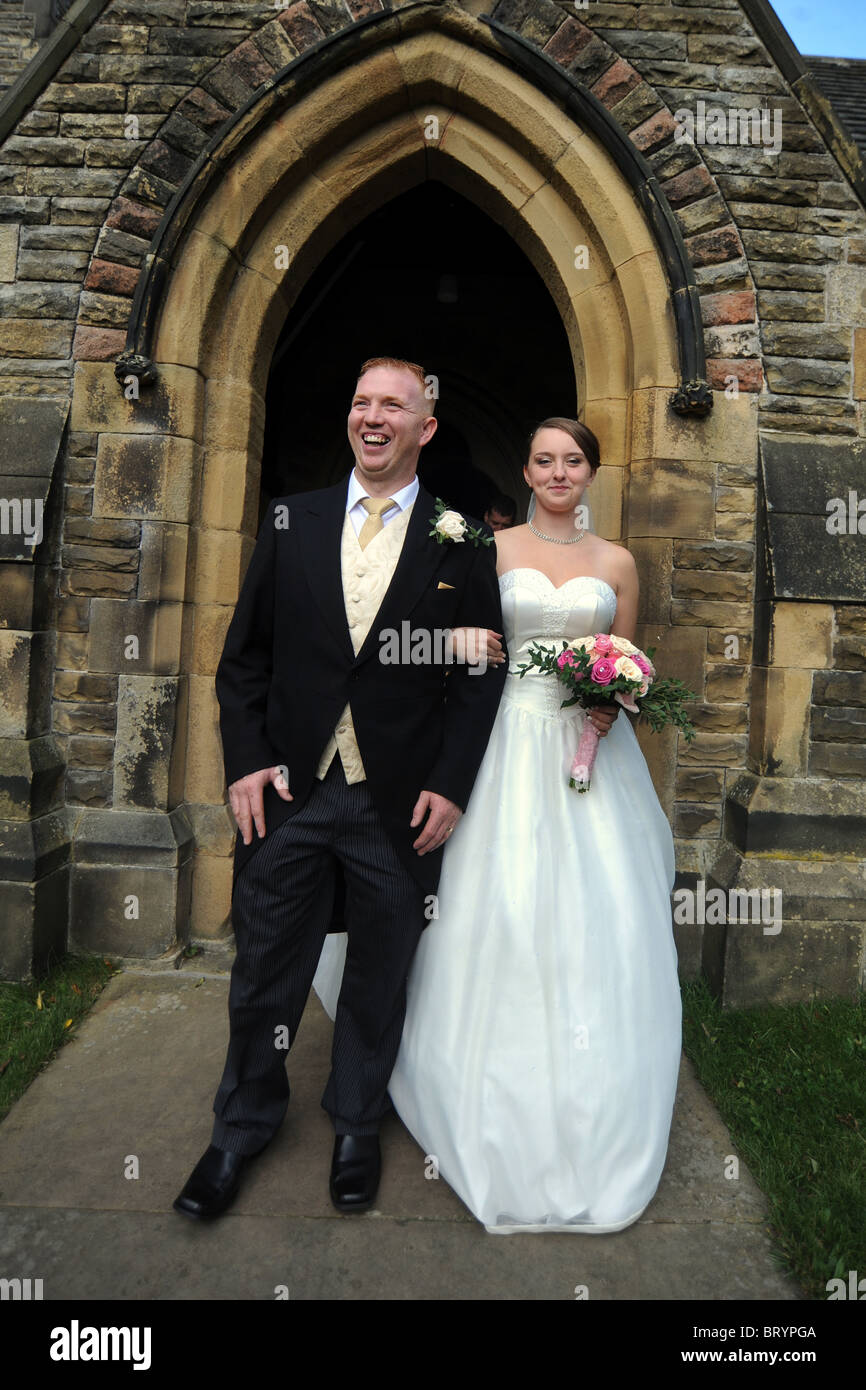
(389, 422)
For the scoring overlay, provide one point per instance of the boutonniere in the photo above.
(448, 525)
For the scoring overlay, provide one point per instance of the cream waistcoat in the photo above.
(366, 576)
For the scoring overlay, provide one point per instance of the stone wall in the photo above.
(778, 246)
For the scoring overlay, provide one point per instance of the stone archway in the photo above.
(427, 105)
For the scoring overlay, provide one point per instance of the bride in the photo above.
(539, 1059)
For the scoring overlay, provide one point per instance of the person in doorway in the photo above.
(501, 512)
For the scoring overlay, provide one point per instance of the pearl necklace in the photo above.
(557, 540)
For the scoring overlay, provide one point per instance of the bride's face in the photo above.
(558, 470)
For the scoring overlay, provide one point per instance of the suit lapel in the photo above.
(320, 534)
(417, 562)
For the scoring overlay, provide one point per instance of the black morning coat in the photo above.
(288, 668)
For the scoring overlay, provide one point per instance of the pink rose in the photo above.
(566, 659)
(641, 662)
(603, 671)
(603, 644)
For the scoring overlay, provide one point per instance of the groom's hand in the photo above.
(443, 817)
(245, 796)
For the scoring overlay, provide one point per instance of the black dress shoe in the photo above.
(212, 1185)
(355, 1171)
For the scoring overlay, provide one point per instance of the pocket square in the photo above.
(443, 585)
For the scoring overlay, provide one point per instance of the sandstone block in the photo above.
(146, 710)
(713, 555)
(146, 475)
(671, 497)
(728, 434)
(781, 702)
(211, 896)
(802, 635)
(140, 638)
(710, 584)
(704, 784)
(693, 820)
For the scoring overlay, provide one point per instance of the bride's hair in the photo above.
(580, 433)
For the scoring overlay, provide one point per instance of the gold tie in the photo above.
(374, 523)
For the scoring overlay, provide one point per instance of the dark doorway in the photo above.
(432, 279)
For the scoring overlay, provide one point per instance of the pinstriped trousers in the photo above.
(281, 912)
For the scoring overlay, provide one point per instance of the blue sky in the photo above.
(836, 28)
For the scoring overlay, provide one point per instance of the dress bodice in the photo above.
(536, 610)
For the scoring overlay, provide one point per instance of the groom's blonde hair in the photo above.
(399, 364)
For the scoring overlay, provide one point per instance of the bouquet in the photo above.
(594, 669)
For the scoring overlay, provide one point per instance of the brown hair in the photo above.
(580, 433)
(398, 364)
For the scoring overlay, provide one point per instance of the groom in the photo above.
(335, 755)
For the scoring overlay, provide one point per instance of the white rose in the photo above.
(624, 666)
(623, 645)
(452, 525)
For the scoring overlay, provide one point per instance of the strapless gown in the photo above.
(541, 1049)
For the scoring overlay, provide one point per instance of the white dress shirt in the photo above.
(404, 498)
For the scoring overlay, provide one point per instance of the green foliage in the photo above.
(664, 704)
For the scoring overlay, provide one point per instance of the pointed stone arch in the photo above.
(232, 256)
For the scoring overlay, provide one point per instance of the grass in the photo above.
(790, 1083)
(38, 1017)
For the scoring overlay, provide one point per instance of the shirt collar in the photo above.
(404, 498)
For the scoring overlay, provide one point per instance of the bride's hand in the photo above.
(602, 717)
(468, 644)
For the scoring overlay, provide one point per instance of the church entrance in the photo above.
(431, 278)
(428, 201)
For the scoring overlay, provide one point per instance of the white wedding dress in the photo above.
(540, 1054)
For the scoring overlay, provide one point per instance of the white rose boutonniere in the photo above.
(448, 525)
(452, 526)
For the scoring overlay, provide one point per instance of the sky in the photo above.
(834, 28)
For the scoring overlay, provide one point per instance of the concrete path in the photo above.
(138, 1080)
